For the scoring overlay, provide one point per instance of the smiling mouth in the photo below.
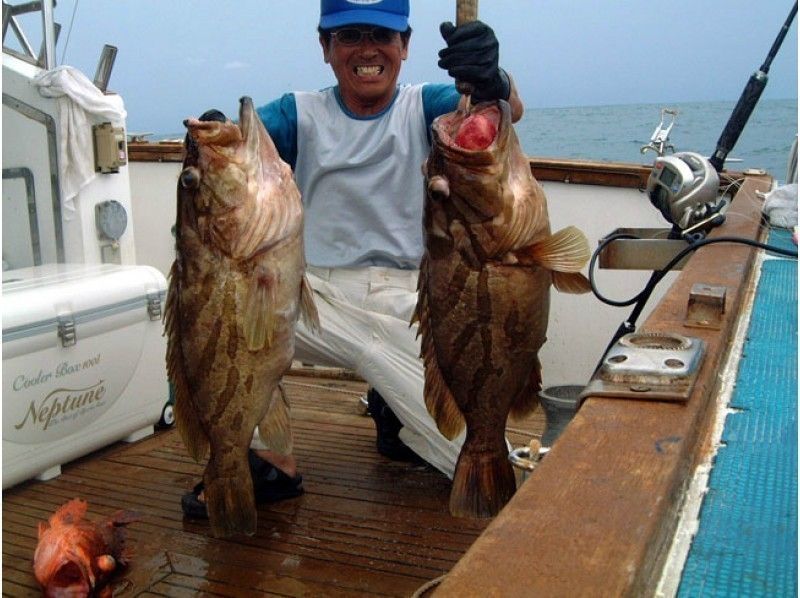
(368, 71)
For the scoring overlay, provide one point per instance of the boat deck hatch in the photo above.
(650, 366)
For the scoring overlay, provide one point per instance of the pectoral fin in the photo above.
(259, 312)
(564, 251)
(573, 283)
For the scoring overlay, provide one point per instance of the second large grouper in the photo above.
(484, 294)
(236, 288)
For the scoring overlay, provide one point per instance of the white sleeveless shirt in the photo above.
(362, 180)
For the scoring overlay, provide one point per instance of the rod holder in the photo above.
(104, 67)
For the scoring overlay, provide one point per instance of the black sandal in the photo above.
(270, 484)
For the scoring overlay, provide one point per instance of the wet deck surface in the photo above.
(365, 525)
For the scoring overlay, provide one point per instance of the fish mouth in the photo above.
(368, 70)
(448, 126)
(72, 576)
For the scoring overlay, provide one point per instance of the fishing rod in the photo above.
(748, 100)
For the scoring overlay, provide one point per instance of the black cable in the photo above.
(659, 274)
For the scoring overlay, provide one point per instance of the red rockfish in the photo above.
(76, 556)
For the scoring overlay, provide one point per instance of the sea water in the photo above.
(617, 133)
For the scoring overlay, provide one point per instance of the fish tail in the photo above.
(483, 482)
(230, 501)
(275, 429)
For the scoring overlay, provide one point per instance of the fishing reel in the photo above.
(685, 189)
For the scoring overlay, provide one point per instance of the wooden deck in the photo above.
(365, 525)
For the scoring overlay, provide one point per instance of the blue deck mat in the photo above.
(747, 541)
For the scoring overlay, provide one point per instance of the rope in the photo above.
(427, 586)
(322, 387)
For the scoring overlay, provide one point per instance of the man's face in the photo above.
(366, 65)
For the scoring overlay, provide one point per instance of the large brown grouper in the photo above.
(484, 294)
(236, 288)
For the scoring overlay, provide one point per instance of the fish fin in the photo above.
(308, 309)
(564, 251)
(440, 402)
(259, 312)
(71, 511)
(483, 482)
(528, 399)
(275, 429)
(43, 527)
(573, 283)
(186, 419)
(123, 517)
(188, 424)
(438, 399)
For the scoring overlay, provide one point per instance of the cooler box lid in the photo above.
(35, 298)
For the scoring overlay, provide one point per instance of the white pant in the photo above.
(365, 314)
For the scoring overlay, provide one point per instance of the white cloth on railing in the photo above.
(81, 104)
(780, 206)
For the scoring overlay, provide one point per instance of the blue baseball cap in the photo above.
(392, 14)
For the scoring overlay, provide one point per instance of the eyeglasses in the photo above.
(352, 36)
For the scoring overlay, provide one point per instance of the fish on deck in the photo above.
(236, 289)
(484, 285)
(76, 556)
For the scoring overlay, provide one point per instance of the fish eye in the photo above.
(190, 178)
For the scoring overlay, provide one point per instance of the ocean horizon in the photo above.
(616, 133)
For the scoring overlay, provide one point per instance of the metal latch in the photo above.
(154, 306)
(66, 330)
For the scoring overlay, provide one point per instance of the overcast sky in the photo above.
(177, 58)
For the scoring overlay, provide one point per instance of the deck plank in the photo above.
(365, 526)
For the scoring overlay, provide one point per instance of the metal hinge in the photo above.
(154, 306)
(66, 331)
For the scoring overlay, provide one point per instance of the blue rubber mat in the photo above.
(747, 541)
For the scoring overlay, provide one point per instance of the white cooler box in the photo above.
(83, 362)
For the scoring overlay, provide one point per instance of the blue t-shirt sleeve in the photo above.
(280, 119)
(438, 99)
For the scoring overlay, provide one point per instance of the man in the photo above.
(356, 150)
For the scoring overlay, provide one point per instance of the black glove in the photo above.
(471, 56)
